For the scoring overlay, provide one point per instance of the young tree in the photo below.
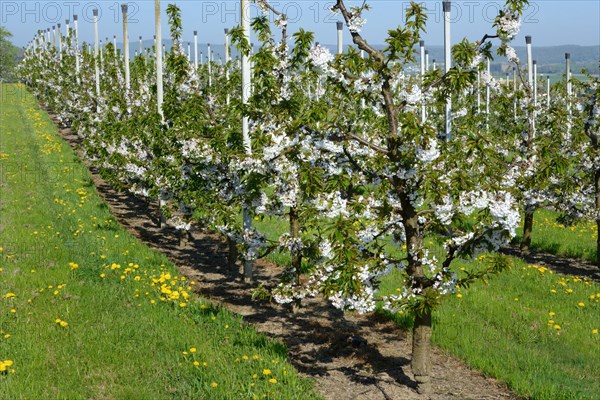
(407, 183)
(8, 55)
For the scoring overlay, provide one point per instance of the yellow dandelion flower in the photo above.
(594, 331)
(214, 384)
(581, 304)
(193, 350)
(196, 363)
(459, 295)
(266, 372)
(272, 380)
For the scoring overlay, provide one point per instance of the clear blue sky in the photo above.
(548, 22)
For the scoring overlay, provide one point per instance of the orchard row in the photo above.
(362, 156)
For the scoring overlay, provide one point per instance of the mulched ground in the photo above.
(348, 355)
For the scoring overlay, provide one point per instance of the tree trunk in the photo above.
(162, 220)
(232, 255)
(527, 229)
(160, 216)
(421, 344)
(296, 256)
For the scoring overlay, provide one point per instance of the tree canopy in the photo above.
(8, 54)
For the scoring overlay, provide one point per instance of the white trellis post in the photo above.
(447, 65)
(201, 58)
(530, 80)
(514, 93)
(340, 44)
(96, 58)
(362, 99)
(76, 28)
(568, 78)
(141, 46)
(535, 93)
(126, 46)
(189, 56)
(196, 50)
(59, 41)
(158, 59)
(422, 61)
(478, 90)
(227, 55)
(529, 62)
(227, 58)
(67, 28)
(246, 84)
(101, 55)
(54, 36)
(433, 66)
(548, 91)
(115, 46)
(208, 56)
(426, 60)
(487, 95)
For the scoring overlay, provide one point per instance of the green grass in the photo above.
(64, 258)
(577, 241)
(506, 330)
